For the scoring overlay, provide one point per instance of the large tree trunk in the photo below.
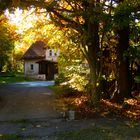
(124, 78)
(92, 42)
(124, 74)
(95, 97)
(93, 60)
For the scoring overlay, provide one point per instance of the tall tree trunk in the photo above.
(92, 42)
(124, 78)
(124, 75)
(95, 97)
(93, 60)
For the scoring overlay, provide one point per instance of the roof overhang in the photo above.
(46, 61)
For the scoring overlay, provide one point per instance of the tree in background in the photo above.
(125, 15)
(6, 45)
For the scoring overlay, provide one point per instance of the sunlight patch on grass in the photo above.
(3, 82)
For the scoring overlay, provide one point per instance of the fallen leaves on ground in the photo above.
(129, 109)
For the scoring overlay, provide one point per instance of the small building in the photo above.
(40, 61)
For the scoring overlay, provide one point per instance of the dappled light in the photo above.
(3, 82)
(79, 101)
(80, 57)
(130, 109)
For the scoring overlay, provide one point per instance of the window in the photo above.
(32, 66)
(55, 54)
(50, 52)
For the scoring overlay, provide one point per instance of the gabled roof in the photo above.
(35, 51)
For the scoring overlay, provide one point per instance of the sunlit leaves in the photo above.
(6, 42)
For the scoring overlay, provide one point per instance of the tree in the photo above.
(6, 44)
(91, 19)
(123, 30)
(123, 16)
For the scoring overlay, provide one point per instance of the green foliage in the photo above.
(6, 46)
(65, 91)
(9, 137)
(4, 4)
(133, 53)
(12, 78)
(137, 79)
(75, 77)
(73, 68)
(125, 13)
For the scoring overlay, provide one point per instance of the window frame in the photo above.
(31, 66)
(50, 52)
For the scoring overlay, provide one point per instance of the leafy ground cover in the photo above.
(129, 111)
(79, 102)
(13, 78)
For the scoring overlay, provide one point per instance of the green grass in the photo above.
(137, 79)
(13, 79)
(99, 133)
(9, 137)
(16, 137)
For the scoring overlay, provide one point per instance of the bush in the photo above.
(66, 91)
(75, 77)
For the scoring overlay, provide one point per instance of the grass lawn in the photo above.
(13, 79)
(122, 132)
(9, 137)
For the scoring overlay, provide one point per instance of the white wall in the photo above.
(54, 55)
(27, 68)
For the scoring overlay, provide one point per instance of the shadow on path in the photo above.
(27, 100)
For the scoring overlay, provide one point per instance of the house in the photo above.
(40, 61)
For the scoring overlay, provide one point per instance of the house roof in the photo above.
(47, 61)
(36, 50)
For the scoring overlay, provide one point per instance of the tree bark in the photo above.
(124, 74)
(93, 60)
(92, 42)
(124, 78)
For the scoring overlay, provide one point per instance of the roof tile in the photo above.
(36, 50)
